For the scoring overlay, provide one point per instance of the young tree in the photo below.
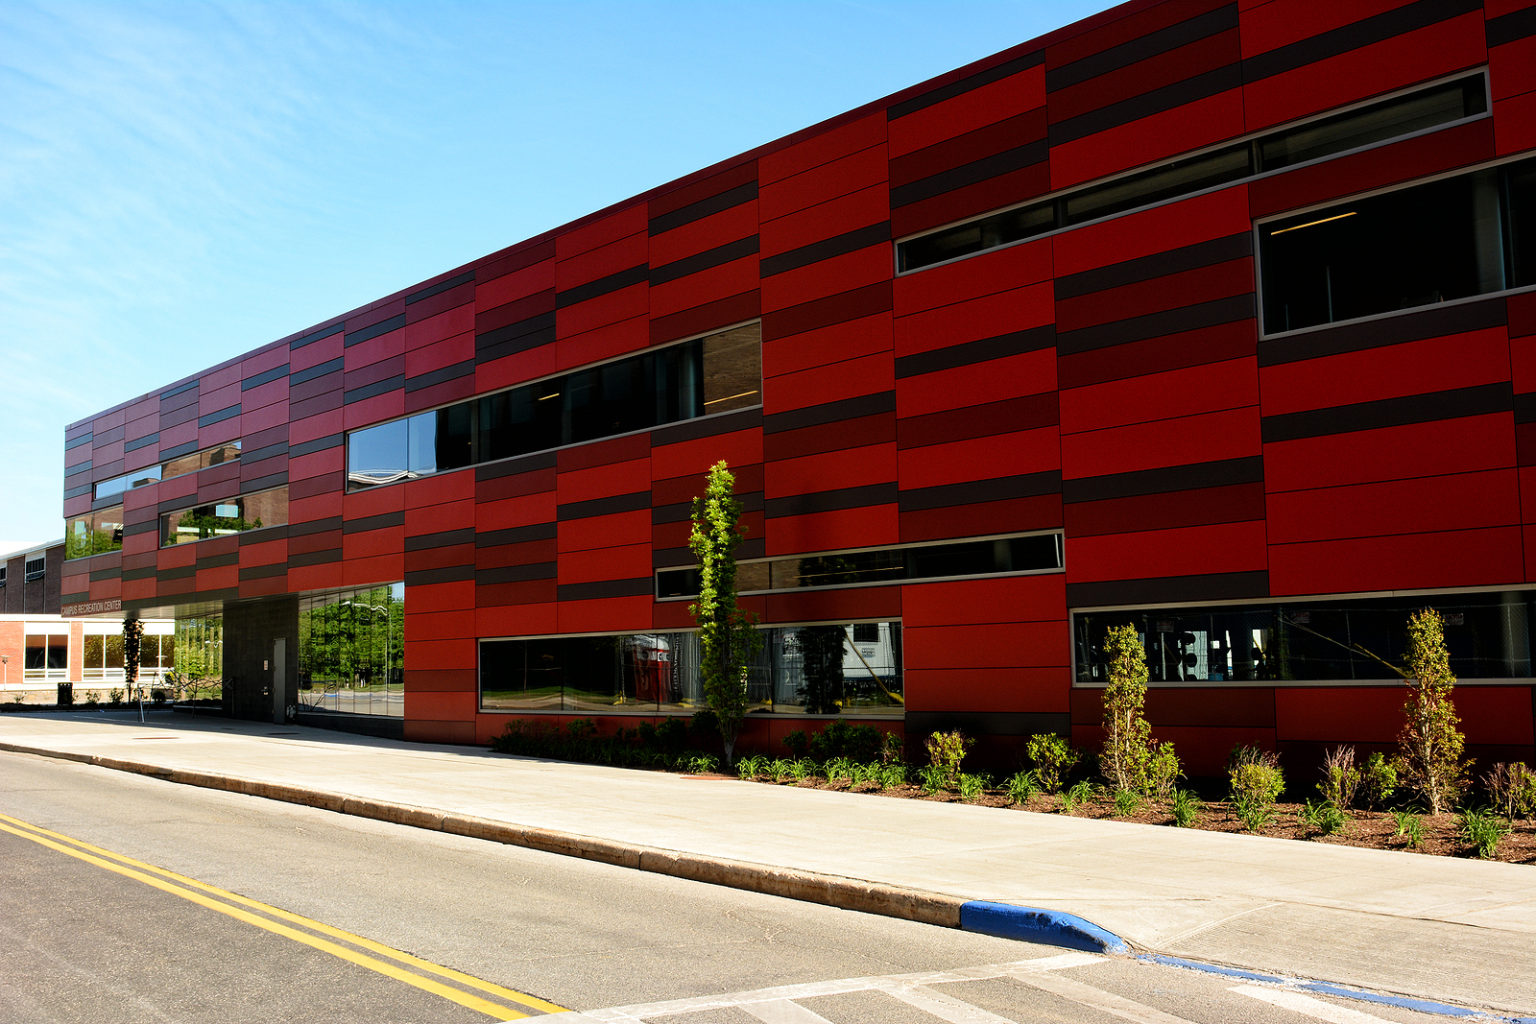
(728, 638)
(1431, 743)
(133, 637)
(1127, 734)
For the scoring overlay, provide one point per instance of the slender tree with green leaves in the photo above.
(1127, 734)
(1431, 742)
(133, 643)
(728, 637)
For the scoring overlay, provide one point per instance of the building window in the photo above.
(1370, 124)
(717, 373)
(352, 651)
(126, 482)
(95, 532)
(832, 668)
(179, 466)
(1448, 239)
(46, 654)
(104, 654)
(222, 518)
(36, 567)
(1488, 634)
(3, 569)
(993, 556)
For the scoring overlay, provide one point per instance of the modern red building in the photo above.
(1215, 317)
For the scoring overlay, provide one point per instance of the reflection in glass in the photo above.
(1488, 636)
(198, 658)
(377, 455)
(126, 482)
(215, 456)
(219, 519)
(94, 533)
(352, 651)
(814, 669)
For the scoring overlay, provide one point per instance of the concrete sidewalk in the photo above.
(1434, 928)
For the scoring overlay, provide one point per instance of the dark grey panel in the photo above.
(965, 85)
(830, 501)
(973, 352)
(1164, 480)
(1355, 35)
(837, 245)
(975, 492)
(739, 249)
(1390, 412)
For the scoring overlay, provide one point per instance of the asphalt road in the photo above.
(128, 899)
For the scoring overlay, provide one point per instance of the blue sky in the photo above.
(185, 180)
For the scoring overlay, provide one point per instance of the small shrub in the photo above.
(798, 743)
(1483, 829)
(1078, 793)
(1020, 787)
(1054, 758)
(1323, 816)
(839, 769)
(890, 748)
(946, 750)
(1410, 827)
(933, 778)
(892, 775)
(1512, 789)
(158, 695)
(1185, 806)
(780, 769)
(116, 695)
(863, 773)
(751, 767)
(1256, 783)
(803, 768)
(1341, 779)
(839, 739)
(699, 764)
(1431, 742)
(973, 787)
(1162, 771)
(1378, 780)
(1127, 802)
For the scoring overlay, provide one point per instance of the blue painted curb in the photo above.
(1032, 924)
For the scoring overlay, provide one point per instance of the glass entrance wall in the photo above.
(352, 651)
(197, 658)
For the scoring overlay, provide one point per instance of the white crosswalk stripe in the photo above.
(923, 992)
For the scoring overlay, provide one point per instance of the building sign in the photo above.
(111, 604)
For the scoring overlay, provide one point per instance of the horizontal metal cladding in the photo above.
(637, 274)
(514, 535)
(513, 573)
(443, 539)
(741, 248)
(1507, 28)
(383, 386)
(216, 560)
(447, 284)
(1149, 268)
(265, 377)
(1390, 412)
(1196, 476)
(317, 335)
(382, 521)
(632, 502)
(976, 492)
(441, 375)
(827, 248)
(831, 412)
(830, 501)
(682, 511)
(1161, 324)
(1373, 29)
(960, 86)
(707, 426)
(141, 442)
(980, 351)
(219, 416)
(444, 574)
(993, 165)
(601, 589)
(362, 334)
(1377, 332)
(263, 572)
(530, 333)
(539, 461)
(324, 369)
(1222, 18)
(727, 199)
(828, 311)
(318, 444)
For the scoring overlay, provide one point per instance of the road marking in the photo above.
(782, 1011)
(241, 909)
(1308, 1006)
(1098, 999)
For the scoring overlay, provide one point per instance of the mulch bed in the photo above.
(1441, 834)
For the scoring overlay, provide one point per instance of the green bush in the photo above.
(1054, 757)
(1378, 780)
(752, 766)
(933, 779)
(1127, 802)
(1020, 787)
(1162, 771)
(1340, 778)
(1078, 793)
(839, 739)
(1410, 827)
(698, 764)
(1431, 742)
(1512, 789)
(946, 750)
(798, 743)
(892, 775)
(1256, 783)
(1323, 816)
(839, 769)
(1483, 829)
(973, 787)
(1185, 807)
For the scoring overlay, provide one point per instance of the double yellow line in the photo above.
(465, 990)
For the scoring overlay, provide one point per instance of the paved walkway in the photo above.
(1434, 928)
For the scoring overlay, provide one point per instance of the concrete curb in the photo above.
(1000, 919)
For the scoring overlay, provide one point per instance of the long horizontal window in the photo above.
(222, 518)
(1040, 552)
(1368, 125)
(94, 533)
(833, 668)
(1488, 635)
(1453, 238)
(179, 466)
(46, 653)
(717, 373)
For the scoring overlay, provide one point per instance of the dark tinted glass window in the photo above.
(1376, 123)
(1180, 177)
(1521, 198)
